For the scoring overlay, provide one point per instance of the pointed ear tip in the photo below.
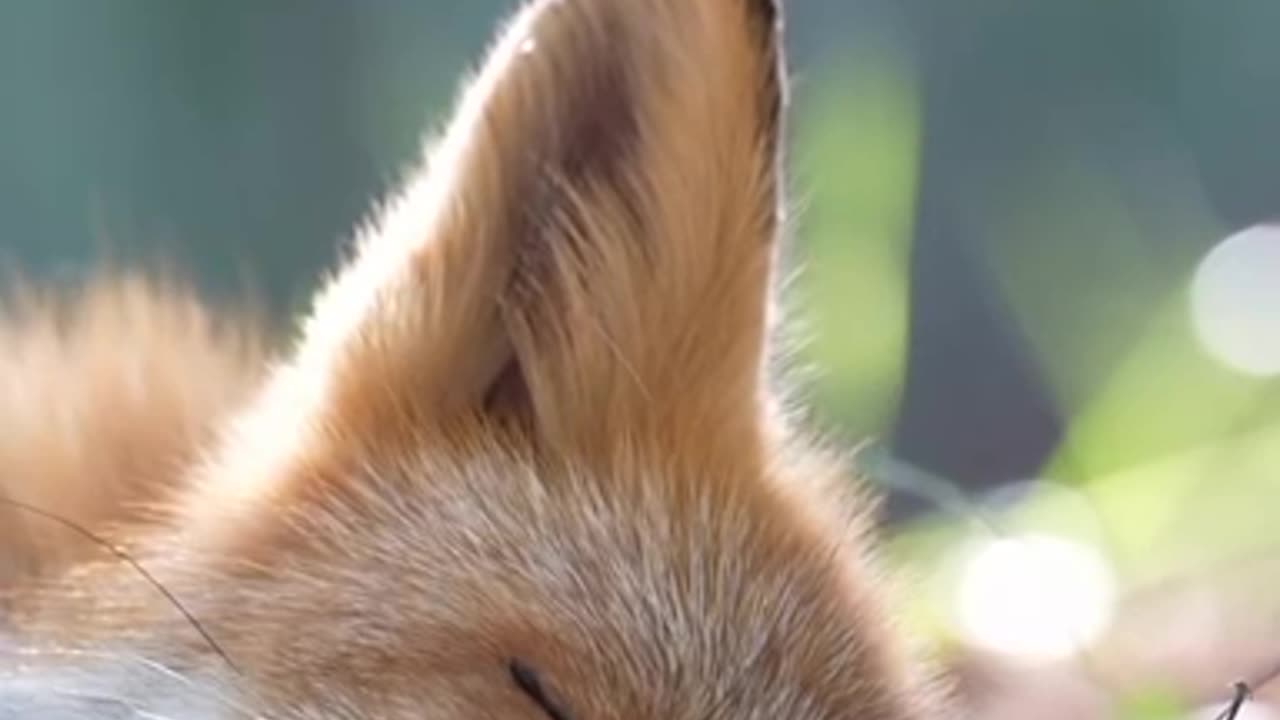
(770, 10)
(770, 14)
(772, 25)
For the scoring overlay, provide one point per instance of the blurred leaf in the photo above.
(858, 158)
(1152, 704)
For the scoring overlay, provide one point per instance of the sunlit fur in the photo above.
(106, 392)
(530, 419)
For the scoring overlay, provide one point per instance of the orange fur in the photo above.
(108, 393)
(528, 423)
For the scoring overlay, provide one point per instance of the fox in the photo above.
(528, 455)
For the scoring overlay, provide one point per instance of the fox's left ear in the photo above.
(589, 249)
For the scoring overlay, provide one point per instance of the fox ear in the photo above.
(588, 251)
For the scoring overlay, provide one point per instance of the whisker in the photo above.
(128, 559)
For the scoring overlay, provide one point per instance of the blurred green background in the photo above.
(1004, 213)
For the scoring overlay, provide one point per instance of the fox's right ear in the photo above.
(589, 248)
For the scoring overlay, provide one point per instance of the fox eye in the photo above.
(526, 678)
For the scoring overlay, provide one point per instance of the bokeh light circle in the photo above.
(1235, 301)
(1036, 598)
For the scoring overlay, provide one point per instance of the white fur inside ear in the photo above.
(75, 685)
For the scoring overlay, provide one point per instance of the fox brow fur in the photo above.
(530, 417)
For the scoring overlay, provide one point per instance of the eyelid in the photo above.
(526, 678)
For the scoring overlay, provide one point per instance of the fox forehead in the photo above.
(495, 524)
(667, 591)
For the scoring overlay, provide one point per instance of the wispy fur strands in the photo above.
(109, 391)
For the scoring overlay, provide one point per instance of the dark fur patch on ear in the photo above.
(599, 104)
(768, 11)
(770, 8)
(774, 93)
(593, 144)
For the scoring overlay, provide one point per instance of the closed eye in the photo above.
(526, 678)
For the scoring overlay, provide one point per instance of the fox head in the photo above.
(524, 461)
